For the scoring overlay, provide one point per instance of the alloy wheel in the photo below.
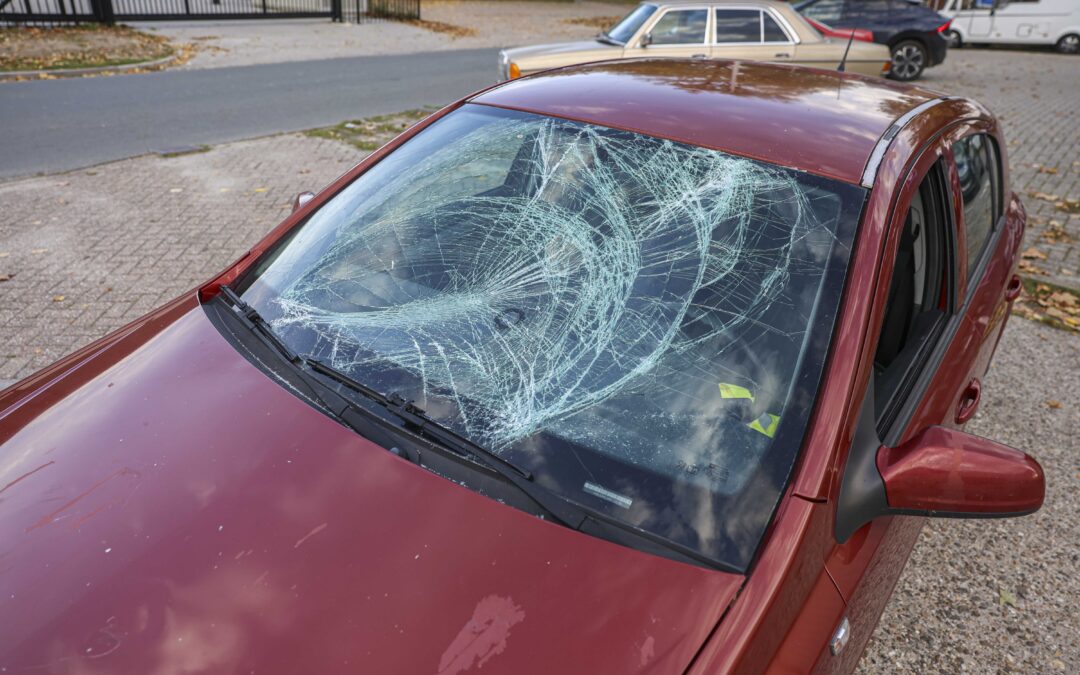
(908, 61)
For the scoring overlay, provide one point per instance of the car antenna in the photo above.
(843, 61)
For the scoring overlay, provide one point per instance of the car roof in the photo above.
(819, 121)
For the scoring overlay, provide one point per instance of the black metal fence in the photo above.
(368, 11)
(111, 11)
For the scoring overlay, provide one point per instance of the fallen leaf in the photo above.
(39, 251)
(1006, 597)
(1033, 254)
(58, 298)
(1052, 404)
(259, 190)
(5, 277)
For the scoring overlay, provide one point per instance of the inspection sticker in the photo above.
(607, 495)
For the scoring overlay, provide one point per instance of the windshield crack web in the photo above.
(530, 270)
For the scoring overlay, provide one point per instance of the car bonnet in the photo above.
(168, 507)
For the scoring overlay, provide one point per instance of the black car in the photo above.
(914, 34)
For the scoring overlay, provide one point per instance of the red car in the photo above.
(640, 367)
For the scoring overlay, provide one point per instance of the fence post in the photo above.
(103, 11)
(335, 11)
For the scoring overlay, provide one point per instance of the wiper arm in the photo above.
(415, 418)
(258, 323)
(607, 39)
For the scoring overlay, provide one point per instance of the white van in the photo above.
(1025, 22)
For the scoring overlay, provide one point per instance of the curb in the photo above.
(78, 72)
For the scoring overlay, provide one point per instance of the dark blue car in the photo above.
(914, 34)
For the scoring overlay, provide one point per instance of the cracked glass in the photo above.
(640, 322)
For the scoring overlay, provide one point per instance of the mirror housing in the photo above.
(939, 472)
(302, 199)
(645, 40)
(946, 472)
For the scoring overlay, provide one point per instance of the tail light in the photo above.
(945, 26)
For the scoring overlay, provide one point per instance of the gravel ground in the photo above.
(494, 24)
(995, 596)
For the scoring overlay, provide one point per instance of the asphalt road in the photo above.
(57, 125)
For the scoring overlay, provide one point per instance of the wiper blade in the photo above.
(416, 419)
(607, 39)
(258, 323)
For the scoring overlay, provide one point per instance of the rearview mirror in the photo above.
(646, 40)
(301, 199)
(939, 472)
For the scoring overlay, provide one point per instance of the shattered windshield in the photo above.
(639, 322)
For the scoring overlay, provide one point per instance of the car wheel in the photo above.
(908, 60)
(1069, 44)
(954, 39)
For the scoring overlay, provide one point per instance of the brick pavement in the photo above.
(90, 250)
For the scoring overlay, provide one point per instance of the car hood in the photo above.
(170, 508)
(562, 53)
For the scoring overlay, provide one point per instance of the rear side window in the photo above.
(738, 25)
(977, 168)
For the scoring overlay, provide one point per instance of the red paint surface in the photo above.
(952, 472)
(170, 508)
(819, 121)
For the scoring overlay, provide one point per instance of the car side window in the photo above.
(681, 27)
(771, 31)
(738, 25)
(977, 168)
(918, 302)
(825, 10)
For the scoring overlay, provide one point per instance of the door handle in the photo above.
(969, 401)
(782, 55)
(699, 56)
(1012, 290)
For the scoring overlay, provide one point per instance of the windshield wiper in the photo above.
(560, 508)
(607, 39)
(416, 419)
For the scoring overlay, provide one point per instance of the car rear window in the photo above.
(641, 323)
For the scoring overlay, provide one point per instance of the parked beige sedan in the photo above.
(757, 30)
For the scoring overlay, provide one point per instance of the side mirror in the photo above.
(301, 199)
(645, 40)
(946, 472)
(939, 472)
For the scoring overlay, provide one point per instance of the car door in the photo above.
(681, 32)
(918, 369)
(988, 258)
(980, 18)
(748, 33)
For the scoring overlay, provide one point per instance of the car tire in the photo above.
(1069, 44)
(954, 39)
(909, 59)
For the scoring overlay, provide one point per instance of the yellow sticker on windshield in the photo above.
(734, 391)
(766, 424)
